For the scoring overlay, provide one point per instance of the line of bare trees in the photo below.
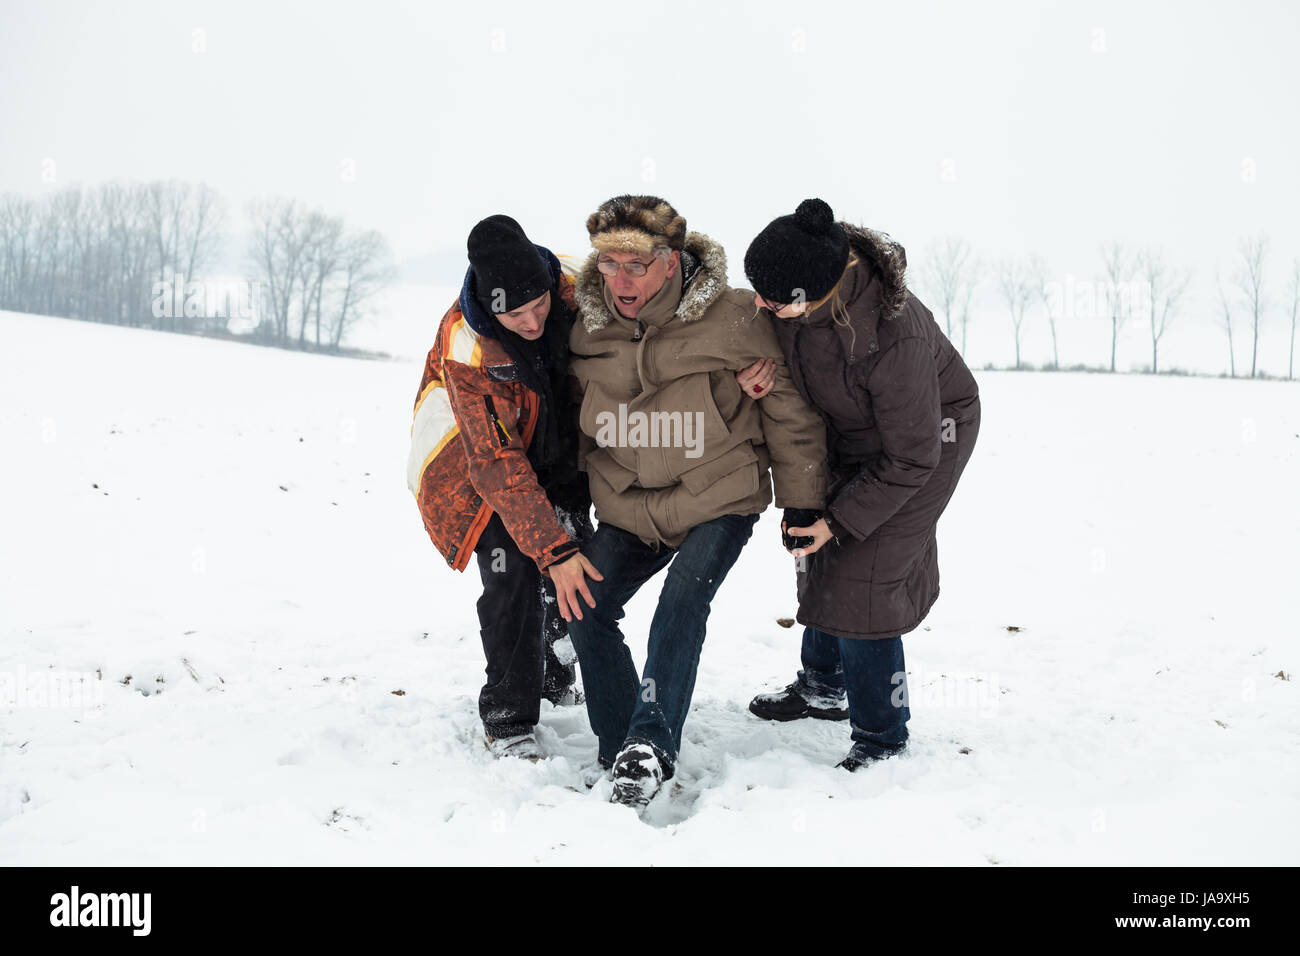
(140, 254)
(95, 253)
(1133, 284)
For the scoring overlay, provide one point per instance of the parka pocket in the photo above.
(690, 432)
(725, 469)
(601, 462)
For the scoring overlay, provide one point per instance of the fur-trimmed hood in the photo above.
(888, 262)
(704, 280)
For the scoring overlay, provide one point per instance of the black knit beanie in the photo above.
(798, 257)
(508, 270)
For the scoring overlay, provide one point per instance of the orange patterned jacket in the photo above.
(469, 442)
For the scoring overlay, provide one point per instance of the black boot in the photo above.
(859, 756)
(639, 773)
(792, 704)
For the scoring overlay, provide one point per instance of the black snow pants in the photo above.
(520, 623)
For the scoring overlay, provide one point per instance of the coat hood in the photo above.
(888, 263)
(477, 317)
(704, 279)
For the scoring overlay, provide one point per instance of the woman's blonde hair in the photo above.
(839, 311)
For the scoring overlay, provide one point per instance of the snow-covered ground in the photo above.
(280, 669)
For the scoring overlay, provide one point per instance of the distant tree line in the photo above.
(1133, 285)
(142, 254)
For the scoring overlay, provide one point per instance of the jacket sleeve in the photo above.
(904, 390)
(574, 395)
(499, 468)
(796, 442)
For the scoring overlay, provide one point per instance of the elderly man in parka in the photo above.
(678, 461)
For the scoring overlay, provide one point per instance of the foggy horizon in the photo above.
(1025, 128)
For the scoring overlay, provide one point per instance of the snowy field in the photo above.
(225, 638)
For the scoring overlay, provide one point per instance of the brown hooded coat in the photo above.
(902, 412)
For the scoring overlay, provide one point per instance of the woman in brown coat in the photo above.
(902, 414)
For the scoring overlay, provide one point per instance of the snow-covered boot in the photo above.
(638, 775)
(523, 746)
(860, 756)
(791, 704)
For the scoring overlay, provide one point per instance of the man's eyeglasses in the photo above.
(634, 268)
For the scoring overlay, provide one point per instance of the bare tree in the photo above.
(322, 238)
(17, 219)
(1166, 287)
(1119, 265)
(1042, 288)
(49, 239)
(184, 223)
(163, 201)
(327, 250)
(1295, 307)
(945, 273)
(97, 259)
(1017, 286)
(1227, 324)
(278, 253)
(205, 221)
(69, 207)
(965, 293)
(130, 250)
(366, 268)
(1250, 280)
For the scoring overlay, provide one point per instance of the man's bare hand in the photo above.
(570, 577)
(757, 380)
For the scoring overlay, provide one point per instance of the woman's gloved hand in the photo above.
(797, 518)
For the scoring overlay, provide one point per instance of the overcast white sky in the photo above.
(1061, 124)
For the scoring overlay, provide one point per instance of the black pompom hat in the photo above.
(508, 269)
(798, 257)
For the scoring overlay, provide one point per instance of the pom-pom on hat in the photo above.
(798, 257)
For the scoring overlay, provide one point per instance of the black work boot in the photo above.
(793, 704)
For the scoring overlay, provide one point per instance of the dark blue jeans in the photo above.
(873, 675)
(652, 708)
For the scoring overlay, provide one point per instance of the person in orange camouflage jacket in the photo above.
(493, 467)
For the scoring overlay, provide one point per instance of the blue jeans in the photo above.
(873, 675)
(622, 707)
